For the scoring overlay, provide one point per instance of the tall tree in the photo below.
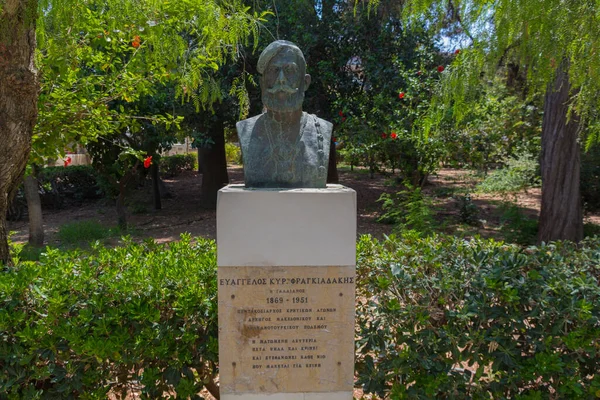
(558, 44)
(95, 53)
(18, 100)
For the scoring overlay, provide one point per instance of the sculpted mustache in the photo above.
(282, 88)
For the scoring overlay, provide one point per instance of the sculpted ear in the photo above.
(306, 81)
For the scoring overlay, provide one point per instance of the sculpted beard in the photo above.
(283, 98)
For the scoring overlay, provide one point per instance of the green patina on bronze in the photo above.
(284, 147)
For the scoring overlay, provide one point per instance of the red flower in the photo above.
(419, 72)
(67, 161)
(457, 51)
(334, 139)
(136, 41)
(383, 135)
(401, 95)
(440, 68)
(394, 135)
(147, 162)
(341, 114)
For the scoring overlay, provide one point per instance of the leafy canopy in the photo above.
(539, 35)
(98, 56)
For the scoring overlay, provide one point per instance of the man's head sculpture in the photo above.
(283, 78)
(284, 147)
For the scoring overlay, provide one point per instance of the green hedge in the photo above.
(177, 163)
(437, 317)
(142, 316)
(79, 182)
(447, 318)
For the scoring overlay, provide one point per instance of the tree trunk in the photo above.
(18, 100)
(155, 186)
(34, 207)
(332, 173)
(561, 216)
(214, 167)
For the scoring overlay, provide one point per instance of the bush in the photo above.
(79, 182)
(233, 154)
(519, 173)
(443, 317)
(408, 210)
(140, 316)
(176, 164)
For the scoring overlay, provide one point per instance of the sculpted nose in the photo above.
(281, 77)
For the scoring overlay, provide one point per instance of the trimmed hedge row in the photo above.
(443, 317)
(437, 317)
(139, 317)
(177, 163)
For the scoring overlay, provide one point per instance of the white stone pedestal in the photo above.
(286, 269)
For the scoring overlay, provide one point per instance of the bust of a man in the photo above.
(284, 147)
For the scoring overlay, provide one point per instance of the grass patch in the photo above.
(77, 232)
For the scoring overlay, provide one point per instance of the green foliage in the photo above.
(79, 182)
(79, 232)
(409, 210)
(468, 212)
(78, 325)
(520, 173)
(233, 154)
(498, 124)
(177, 163)
(515, 226)
(444, 317)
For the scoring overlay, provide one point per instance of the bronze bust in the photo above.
(284, 147)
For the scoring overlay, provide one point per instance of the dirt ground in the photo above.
(180, 213)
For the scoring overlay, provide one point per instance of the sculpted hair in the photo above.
(273, 49)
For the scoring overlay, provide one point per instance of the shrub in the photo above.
(442, 317)
(409, 210)
(233, 154)
(519, 173)
(78, 325)
(176, 164)
(79, 182)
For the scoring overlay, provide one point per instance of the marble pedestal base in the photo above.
(286, 275)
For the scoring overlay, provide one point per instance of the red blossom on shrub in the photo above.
(419, 72)
(440, 68)
(401, 95)
(457, 51)
(394, 135)
(341, 113)
(67, 161)
(334, 139)
(136, 41)
(147, 162)
(383, 135)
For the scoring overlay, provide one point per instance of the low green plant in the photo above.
(233, 154)
(468, 212)
(83, 324)
(74, 233)
(409, 209)
(79, 182)
(177, 163)
(515, 226)
(519, 174)
(443, 317)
